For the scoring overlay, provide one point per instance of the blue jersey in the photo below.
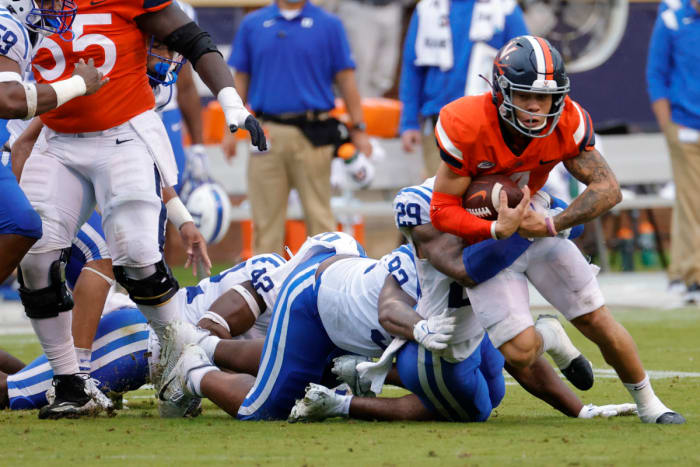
(120, 355)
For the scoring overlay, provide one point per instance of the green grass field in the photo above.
(522, 430)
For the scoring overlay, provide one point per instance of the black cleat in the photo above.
(72, 398)
(580, 373)
(670, 418)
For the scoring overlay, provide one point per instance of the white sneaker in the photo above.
(177, 335)
(98, 396)
(577, 368)
(318, 403)
(345, 368)
(177, 400)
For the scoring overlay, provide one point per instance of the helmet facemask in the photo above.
(52, 17)
(165, 69)
(507, 109)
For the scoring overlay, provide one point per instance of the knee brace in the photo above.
(49, 301)
(153, 290)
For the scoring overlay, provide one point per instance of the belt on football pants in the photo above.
(93, 134)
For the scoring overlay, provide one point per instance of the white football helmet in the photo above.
(211, 210)
(43, 16)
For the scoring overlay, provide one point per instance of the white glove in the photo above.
(237, 116)
(607, 411)
(197, 167)
(435, 332)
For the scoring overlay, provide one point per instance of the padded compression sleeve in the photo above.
(485, 259)
(191, 41)
(447, 215)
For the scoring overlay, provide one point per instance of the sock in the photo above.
(649, 405)
(560, 349)
(194, 379)
(160, 316)
(84, 359)
(345, 406)
(208, 344)
(56, 340)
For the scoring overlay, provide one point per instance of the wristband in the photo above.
(217, 318)
(493, 230)
(232, 105)
(30, 94)
(550, 226)
(68, 89)
(178, 213)
(249, 299)
(8, 76)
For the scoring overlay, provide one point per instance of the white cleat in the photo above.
(318, 403)
(176, 399)
(177, 335)
(577, 368)
(345, 368)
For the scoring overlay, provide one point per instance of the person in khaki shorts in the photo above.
(674, 90)
(286, 58)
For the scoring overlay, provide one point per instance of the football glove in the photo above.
(607, 411)
(197, 167)
(435, 332)
(237, 116)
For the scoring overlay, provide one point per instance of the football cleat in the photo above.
(177, 335)
(74, 396)
(670, 418)
(345, 368)
(177, 400)
(575, 367)
(318, 403)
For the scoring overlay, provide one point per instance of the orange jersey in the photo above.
(105, 31)
(469, 135)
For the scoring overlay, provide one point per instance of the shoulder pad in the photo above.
(260, 271)
(581, 125)
(400, 263)
(15, 39)
(412, 205)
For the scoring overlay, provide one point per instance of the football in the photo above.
(482, 196)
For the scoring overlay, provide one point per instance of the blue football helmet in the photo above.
(43, 16)
(529, 64)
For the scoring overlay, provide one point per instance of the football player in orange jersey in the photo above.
(522, 129)
(110, 149)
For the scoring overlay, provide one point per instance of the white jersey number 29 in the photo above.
(81, 42)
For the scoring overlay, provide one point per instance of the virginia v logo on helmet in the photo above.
(529, 64)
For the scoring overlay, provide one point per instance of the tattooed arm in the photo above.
(601, 194)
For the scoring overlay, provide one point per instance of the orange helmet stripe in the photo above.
(548, 62)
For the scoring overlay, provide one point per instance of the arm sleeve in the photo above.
(240, 53)
(447, 215)
(341, 54)
(659, 60)
(411, 82)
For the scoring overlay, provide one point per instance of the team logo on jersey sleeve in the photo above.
(485, 165)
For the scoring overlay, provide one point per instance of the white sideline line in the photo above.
(609, 373)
